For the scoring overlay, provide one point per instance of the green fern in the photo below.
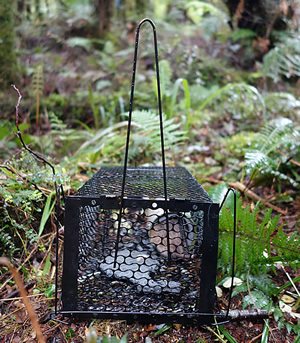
(282, 102)
(148, 127)
(68, 137)
(38, 89)
(265, 161)
(259, 244)
(242, 100)
(283, 60)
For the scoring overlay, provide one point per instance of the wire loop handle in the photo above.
(121, 202)
(233, 245)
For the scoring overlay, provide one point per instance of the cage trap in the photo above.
(141, 243)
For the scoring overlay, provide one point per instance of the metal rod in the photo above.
(58, 190)
(121, 200)
(233, 244)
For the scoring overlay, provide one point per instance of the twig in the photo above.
(19, 298)
(242, 188)
(26, 147)
(212, 331)
(290, 159)
(291, 281)
(30, 310)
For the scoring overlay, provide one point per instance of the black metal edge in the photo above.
(182, 318)
(70, 256)
(112, 202)
(209, 259)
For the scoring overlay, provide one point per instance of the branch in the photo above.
(30, 310)
(19, 135)
(242, 188)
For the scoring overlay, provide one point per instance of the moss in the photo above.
(8, 61)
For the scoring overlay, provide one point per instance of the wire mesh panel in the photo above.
(157, 272)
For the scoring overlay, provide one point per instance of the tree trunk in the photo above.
(8, 61)
(257, 15)
(103, 12)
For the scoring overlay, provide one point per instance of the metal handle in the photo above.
(233, 244)
(128, 132)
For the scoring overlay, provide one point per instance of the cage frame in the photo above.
(205, 315)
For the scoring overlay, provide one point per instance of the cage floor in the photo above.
(103, 294)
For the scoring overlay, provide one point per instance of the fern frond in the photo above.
(147, 124)
(165, 77)
(264, 159)
(38, 88)
(284, 60)
(254, 239)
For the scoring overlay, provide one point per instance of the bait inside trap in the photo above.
(141, 243)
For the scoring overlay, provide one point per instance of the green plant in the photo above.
(169, 93)
(145, 138)
(261, 247)
(24, 188)
(20, 204)
(260, 244)
(109, 115)
(282, 103)
(61, 138)
(240, 100)
(209, 17)
(146, 134)
(38, 89)
(92, 337)
(272, 157)
(239, 142)
(283, 60)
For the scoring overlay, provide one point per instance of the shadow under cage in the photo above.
(141, 243)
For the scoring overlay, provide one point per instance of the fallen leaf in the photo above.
(150, 328)
(284, 307)
(236, 282)
(287, 299)
(219, 292)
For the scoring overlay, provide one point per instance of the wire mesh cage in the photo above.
(153, 271)
(141, 243)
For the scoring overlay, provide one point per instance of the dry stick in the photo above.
(255, 338)
(19, 298)
(289, 160)
(30, 310)
(37, 156)
(291, 281)
(241, 187)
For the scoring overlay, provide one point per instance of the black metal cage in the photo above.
(153, 272)
(140, 243)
